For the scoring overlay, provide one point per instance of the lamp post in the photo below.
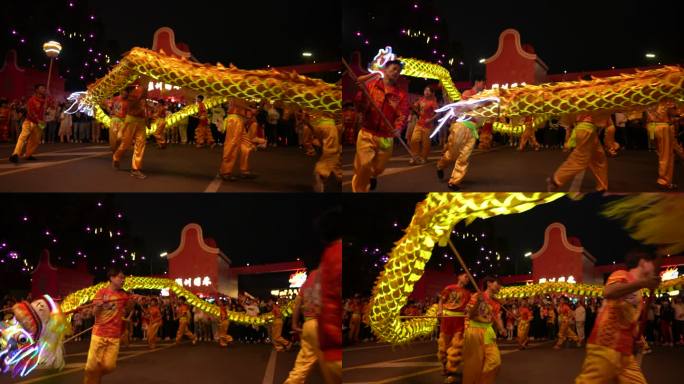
(52, 50)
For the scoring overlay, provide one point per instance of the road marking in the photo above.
(72, 370)
(270, 368)
(215, 185)
(25, 167)
(371, 365)
(576, 185)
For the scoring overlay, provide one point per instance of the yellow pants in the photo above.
(609, 141)
(565, 332)
(331, 371)
(420, 142)
(203, 135)
(481, 362)
(279, 342)
(330, 163)
(224, 337)
(102, 356)
(665, 145)
(307, 356)
(450, 352)
(523, 331)
(115, 132)
(152, 338)
(458, 149)
(587, 154)
(30, 136)
(372, 154)
(528, 137)
(236, 145)
(308, 139)
(159, 132)
(134, 129)
(604, 366)
(354, 327)
(183, 330)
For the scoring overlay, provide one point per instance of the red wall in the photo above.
(193, 259)
(16, 82)
(556, 259)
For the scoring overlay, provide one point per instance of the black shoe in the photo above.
(138, 175)
(14, 159)
(454, 187)
(551, 185)
(116, 165)
(230, 178)
(31, 158)
(248, 176)
(373, 183)
(440, 174)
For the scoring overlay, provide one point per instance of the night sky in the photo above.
(250, 34)
(573, 36)
(512, 235)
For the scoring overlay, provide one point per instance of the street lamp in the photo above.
(482, 61)
(52, 50)
(163, 254)
(307, 54)
(650, 55)
(528, 254)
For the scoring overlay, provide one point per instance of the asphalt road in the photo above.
(178, 168)
(417, 364)
(202, 363)
(505, 170)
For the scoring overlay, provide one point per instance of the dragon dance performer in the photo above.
(31, 129)
(524, 319)
(420, 139)
(566, 314)
(612, 146)
(375, 141)
(355, 320)
(328, 135)
(224, 338)
(610, 348)
(308, 303)
(118, 112)
(184, 322)
(528, 135)
(160, 118)
(134, 130)
(110, 304)
(237, 144)
(481, 356)
(460, 144)
(279, 342)
(154, 319)
(203, 132)
(661, 128)
(452, 303)
(588, 153)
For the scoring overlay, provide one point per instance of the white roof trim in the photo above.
(564, 239)
(200, 239)
(518, 47)
(16, 64)
(172, 38)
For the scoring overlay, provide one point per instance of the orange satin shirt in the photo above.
(109, 322)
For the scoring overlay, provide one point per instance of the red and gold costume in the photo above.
(279, 342)
(327, 134)
(31, 129)
(375, 142)
(610, 348)
(310, 308)
(105, 339)
(420, 139)
(481, 357)
(565, 331)
(134, 129)
(528, 136)
(237, 143)
(153, 324)
(486, 136)
(160, 119)
(184, 324)
(588, 153)
(453, 300)
(460, 144)
(350, 121)
(330, 317)
(661, 128)
(224, 323)
(609, 142)
(119, 110)
(524, 319)
(203, 132)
